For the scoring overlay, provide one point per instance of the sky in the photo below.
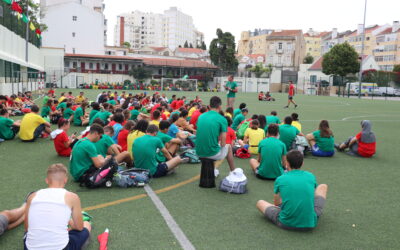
(236, 16)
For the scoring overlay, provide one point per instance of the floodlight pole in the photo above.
(362, 51)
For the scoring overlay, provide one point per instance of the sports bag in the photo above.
(243, 153)
(134, 177)
(192, 155)
(233, 187)
(242, 129)
(100, 177)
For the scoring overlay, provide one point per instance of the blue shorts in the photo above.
(76, 239)
(316, 151)
(162, 170)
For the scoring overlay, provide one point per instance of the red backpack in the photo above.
(242, 153)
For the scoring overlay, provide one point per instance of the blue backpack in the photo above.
(134, 177)
(192, 155)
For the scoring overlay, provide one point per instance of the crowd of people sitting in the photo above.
(151, 132)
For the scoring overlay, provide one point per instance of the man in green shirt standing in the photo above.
(8, 128)
(231, 87)
(145, 151)
(212, 127)
(271, 157)
(298, 201)
(288, 133)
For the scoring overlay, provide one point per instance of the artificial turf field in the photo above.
(362, 209)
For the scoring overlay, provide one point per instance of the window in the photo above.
(90, 65)
(106, 66)
(73, 34)
(120, 66)
(74, 65)
(280, 46)
(74, 18)
(289, 46)
(160, 71)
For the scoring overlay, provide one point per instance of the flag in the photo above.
(32, 27)
(38, 31)
(16, 7)
(24, 18)
(7, 1)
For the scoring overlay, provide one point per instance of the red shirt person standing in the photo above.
(291, 95)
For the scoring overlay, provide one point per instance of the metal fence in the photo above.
(11, 22)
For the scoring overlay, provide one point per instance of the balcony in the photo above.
(279, 51)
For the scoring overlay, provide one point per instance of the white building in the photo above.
(171, 29)
(78, 26)
(140, 29)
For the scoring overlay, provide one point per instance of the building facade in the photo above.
(313, 43)
(72, 23)
(253, 42)
(286, 49)
(387, 47)
(171, 29)
(355, 38)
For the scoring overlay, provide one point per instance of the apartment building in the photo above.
(313, 42)
(72, 23)
(355, 38)
(170, 29)
(332, 38)
(387, 47)
(253, 42)
(285, 49)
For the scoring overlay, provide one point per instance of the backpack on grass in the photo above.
(242, 153)
(242, 129)
(192, 155)
(100, 177)
(134, 177)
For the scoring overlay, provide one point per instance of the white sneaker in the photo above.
(216, 172)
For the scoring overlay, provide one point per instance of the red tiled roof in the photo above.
(102, 56)
(386, 31)
(190, 50)
(158, 48)
(317, 65)
(256, 55)
(286, 33)
(177, 63)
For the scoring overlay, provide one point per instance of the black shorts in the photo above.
(162, 170)
(290, 97)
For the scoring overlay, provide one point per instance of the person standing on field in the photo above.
(291, 94)
(231, 87)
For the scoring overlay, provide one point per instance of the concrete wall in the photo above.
(14, 88)
(72, 80)
(245, 84)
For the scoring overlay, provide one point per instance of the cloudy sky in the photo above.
(236, 16)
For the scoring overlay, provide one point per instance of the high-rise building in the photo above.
(73, 23)
(171, 29)
(139, 29)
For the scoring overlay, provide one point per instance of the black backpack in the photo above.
(100, 177)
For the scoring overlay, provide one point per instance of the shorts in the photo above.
(221, 155)
(262, 177)
(272, 213)
(3, 223)
(38, 132)
(316, 151)
(76, 239)
(162, 170)
(290, 97)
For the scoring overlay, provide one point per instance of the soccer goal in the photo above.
(179, 84)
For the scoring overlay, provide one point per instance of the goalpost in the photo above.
(179, 84)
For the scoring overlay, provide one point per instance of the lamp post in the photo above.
(362, 50)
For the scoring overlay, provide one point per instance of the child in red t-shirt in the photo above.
(123, 135)
(62, 143)
(230, 134)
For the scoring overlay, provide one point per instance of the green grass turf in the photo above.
(361, 211)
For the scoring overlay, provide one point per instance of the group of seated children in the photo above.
(265, 97)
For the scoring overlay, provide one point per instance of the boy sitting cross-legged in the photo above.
(298, 201)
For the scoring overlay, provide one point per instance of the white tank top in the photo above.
(48, 220)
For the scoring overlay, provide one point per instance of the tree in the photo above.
(126, 45)
(259, 70)
(203, 46)
(191, 46)
(222, 51)
(186, 45)
(308, 59)
(341, 60)
(140, 74)
(396, 68)
(33, 13)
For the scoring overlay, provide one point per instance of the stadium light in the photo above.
(362, 51)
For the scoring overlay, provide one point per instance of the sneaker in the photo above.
(286, 107)
(216, 173)
(185, 160)
(337, 146)
(295, 106)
